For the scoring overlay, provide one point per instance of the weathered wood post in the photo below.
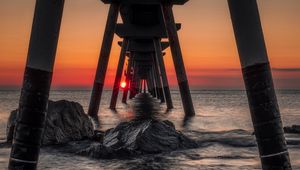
(128, 79)
(36, 85)
(259, 84)
(103, 59)
(116, 87)
(159, 58)
(178, 60)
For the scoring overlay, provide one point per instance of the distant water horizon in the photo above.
(222, 125)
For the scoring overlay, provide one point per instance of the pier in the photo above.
(147, 29)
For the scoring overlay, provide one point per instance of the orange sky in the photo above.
(207, 41)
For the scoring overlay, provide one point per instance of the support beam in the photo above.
(116, 87)
(145, 88)
(140, 86)
(36, 85)
(128, 79)
(259, 85)
(133, 82)
(103, 59)
(136, 32)
(148, 85)
(159, 58)
(178, 61)
(148, 2)
(159, 82)
(151, 84)
(154, 83)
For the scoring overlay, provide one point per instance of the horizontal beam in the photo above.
(137, 46)
(174, 2)
(140, 32)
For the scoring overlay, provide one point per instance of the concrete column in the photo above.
(36, 85)
(148, 84)
(128, 79)
(133, 82)
(103, 59)
(153, 83)
(157, 87)
(259, 85)
(145, 88)
(178, 61)
(140, 85)
(159, 82)
(115, 93)
(160, 61)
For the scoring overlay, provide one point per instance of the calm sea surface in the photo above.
(222, 123)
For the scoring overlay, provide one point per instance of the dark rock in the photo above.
(68, 126)
(65, 122)
(139, 137)
(292, 129)
(98, 136)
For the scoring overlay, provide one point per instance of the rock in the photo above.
(138, 137)
(65, 122)
(292, 129)
(68, 126)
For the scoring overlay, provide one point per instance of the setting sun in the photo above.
(123, 84)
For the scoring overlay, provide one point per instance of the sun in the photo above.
(123, 84)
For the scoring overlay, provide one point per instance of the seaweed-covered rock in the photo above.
(137, 137)
(292, 129)
(65, 122)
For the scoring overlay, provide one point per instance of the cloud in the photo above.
(287, 69)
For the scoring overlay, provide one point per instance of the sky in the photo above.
(206, 38)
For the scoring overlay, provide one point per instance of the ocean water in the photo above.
(222, 124)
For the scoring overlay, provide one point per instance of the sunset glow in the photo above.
(206, 37)
(123, 84)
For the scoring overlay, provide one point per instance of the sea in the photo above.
(222, 124)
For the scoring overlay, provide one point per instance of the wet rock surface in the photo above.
(69, 129)
(65, 122)
(139, 137)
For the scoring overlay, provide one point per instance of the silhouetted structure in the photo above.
(37, 80)
(145, 23)
(259, 84)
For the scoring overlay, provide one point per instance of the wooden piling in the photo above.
(36, 85)
(133, 82)
(158, 78)
(145, 88)
(259, 85)
(157, 82)
(154, 83)
(116, 87)
(128, 79)
(151, 84)
(103, 59)
(178, 60)
(160, 61)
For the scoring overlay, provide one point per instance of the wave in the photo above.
(232, 138)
